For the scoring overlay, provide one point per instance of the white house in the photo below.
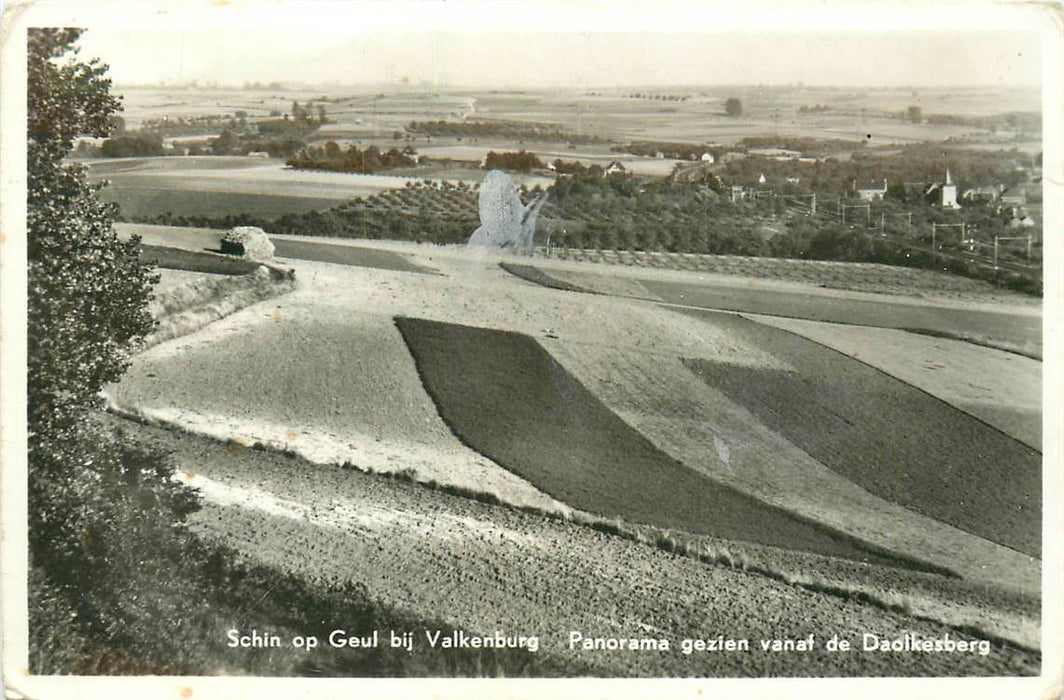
(707, 158)
(872, 193)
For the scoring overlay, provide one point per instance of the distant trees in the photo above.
(914, 114)
(533, 131)
(733, 107)
(521, 161)
(136, 145)
(353, 160)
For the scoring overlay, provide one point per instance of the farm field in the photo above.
(192, 185)
(1008, 398)
(875, 430)
(503, 395)
(859, 277)
(536, 377)
(970, 317)
(614, 347)
(372, 114)
(421, 550)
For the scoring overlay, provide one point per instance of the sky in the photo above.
(572, 59)
(571, 43)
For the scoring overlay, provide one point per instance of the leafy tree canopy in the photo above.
(87, 290)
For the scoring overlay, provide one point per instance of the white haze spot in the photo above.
(722, 450)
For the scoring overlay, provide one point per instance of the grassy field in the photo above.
(503, 395)
(134, 202)
(888, 437)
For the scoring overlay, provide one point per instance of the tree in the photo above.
(87, 290)
(915, 114)
(733, 107)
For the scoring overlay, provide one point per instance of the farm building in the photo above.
(707, 158)
(871, 193)
(1017, 217)
(614, 167)
(988, 193)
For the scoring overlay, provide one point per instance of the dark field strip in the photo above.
(1002, 330)
(344, 255)
(504, 396)
(155, 201)
(193, 261)
(888, 437)
(538, 276)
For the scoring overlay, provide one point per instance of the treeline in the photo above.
(1019, 121)
(677, 151)
(904, 171)
(804, 144)
(352, 160)
(653, 96)
(531, 131)
(521, 161)
(134, 145)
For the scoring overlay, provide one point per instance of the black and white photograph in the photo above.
(435, 349)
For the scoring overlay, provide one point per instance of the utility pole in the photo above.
(1011, 238)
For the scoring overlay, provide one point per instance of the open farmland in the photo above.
(228, 185)
(504, 396)
(1009, 398)
(481, 566)
(892, 439)
(324, 373)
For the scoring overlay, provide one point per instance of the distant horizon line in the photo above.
(422, 86)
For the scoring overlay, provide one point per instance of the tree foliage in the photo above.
(733, 107)
(87, 290)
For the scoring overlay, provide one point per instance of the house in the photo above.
(614, 167)
(258, 154)
(1017, 217)
(871, 193)
(1015, 196)
(793, 179)
(761, 180)
(737, 193)
(708, 158)
(989, 193)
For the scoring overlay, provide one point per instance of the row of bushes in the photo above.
(531, 131)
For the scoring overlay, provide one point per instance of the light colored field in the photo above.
(343, 390)
(234, 174)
